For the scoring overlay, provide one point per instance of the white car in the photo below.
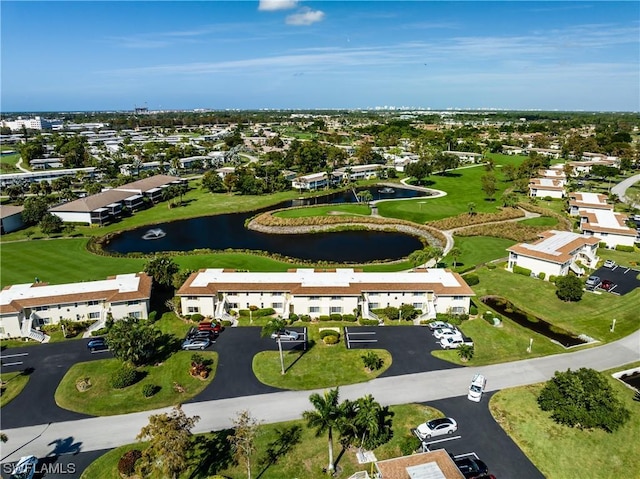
(455, 342)
(476, 388)
(446, 333)
(25, 468)
(609, 263)
(439, 325)
(286, 335)
(436, 427)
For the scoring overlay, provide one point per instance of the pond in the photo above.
(507, 309)
(225, 231)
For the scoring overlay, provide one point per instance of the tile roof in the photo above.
(554, 246)
(605, 221)
(9, 210)
(93, 202)
(434, 464)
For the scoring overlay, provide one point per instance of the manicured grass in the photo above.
(564, 452)
(12, 385)
(67, 260)
(629, 260)
(540, 221)
(305, 459)
(8, 163)
(321, 366)
(592, 315)
(497, 345)
(346, 209)
(463, 186)
(477, 250)
(102, 400)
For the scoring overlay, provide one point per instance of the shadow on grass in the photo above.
(302, 350)
(166, 345)
(286, 439)
(212, 453)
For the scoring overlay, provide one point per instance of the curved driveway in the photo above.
(99, 433)
(621, 188)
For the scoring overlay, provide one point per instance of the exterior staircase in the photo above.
(28, 331)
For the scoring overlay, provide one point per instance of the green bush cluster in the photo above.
(372, 361)
(331, 339)
(293, 317)
(305, 318)
(408, 445)
(552, 278)
(153, 316)
(471, 279)
(226, 323)
(542, 275)
(127, 463)
(258, 313)
(491, 266)
(100, 332)
(473, 309)
(324, 317)
(625, 248)
(368, 322)
(349, 317)
(149, 390)
(520, 270)
(123, 377)
(329, 332)
(197, 317)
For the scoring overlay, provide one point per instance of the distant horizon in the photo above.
(70, 56)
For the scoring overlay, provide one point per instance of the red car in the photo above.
(606, 284)
(210, 326)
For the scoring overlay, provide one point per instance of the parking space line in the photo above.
(100, 351)
(468, 454)
(446, 439)
(4, 365)
(363, 340)
(14, 355)
(366, 332)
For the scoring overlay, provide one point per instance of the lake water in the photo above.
(225, 231)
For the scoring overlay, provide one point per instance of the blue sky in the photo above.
(85, 55)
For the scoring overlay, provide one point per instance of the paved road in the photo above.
(621, 188)
(288, 405)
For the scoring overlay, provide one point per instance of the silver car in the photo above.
(201, 343)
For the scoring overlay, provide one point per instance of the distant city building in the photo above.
(36, 123)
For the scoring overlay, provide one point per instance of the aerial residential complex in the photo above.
(216, 292)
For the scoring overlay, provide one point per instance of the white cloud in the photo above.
(273, 5)
(305, 16)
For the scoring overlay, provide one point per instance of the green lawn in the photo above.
(620, 257)
(477, 250)
(592, 315)
(540, 221)
(462, 186)
(12, 385)
(305, 459)
(8, 163)
(318, 366)
(102, 400)
(561, 452)
(345, 209)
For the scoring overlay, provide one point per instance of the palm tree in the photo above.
(327, 415)
(275, 326)
(465, 352)
(455, 254)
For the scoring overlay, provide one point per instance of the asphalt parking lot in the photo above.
(624, 279)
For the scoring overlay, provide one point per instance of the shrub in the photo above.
(100, 332)
(372, 361)
(408, 445)
(123, 377)
(602, 244)
(471, 279)
(324, 317)
(473, 310)
(368, 322)
(569, 288)
(305, 317)
(329, 332)
(127, 463)
(293, 317)
(153, 316)
(625, 248)
(349, 317)
(335, 317)
(226, 323)
(149, 390)
(488, 317)
(542, 275)
(331, 339)
(264, 312)
(552, 278)
(547, 198)
(197, 317)
(491, 266)
(520, 270)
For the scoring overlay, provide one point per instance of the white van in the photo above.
(476, 388)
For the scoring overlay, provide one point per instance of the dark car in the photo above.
(606, 284)
(97, 344)
(204, 334)
(471, 468)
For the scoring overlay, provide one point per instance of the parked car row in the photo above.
(595, 282)
(448, 336)
(203, 336)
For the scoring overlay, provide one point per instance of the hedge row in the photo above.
(466, 219)
(258, 313)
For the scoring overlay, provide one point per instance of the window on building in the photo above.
(314, 298)
(136, 314)
(417, 305)
(335, 309)
(41, 308)
(457, 310)
(314, 309)
(418, 293)
(93, 303)
(133, 303)
(233, 305)
(192, 298)
(336, 298)
(94, 315)
(193, 309)
(276, 305)
(458, 298)
(374, 305)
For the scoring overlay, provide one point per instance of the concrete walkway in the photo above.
(108, 432)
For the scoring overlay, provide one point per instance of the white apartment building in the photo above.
(25, 307)
(465, 156)
(555, 253)
(36, 123)
(358, 172)
(543, 187)
(588, 202)
(608, 227)
(215, 292)
(314, 181)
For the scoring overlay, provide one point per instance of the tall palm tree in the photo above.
(455, 254)
(326, 417)
(275, 326)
